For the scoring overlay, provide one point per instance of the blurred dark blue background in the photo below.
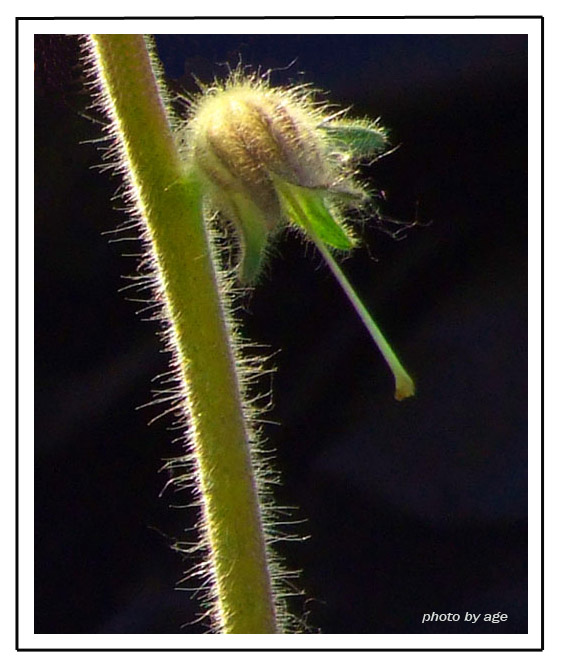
(411, 507)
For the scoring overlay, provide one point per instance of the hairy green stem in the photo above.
(169, 201)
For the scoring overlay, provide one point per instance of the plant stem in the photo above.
(168, 199)
(404, 385)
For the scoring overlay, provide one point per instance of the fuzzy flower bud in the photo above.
(267, 156)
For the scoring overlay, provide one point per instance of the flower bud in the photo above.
(265, 157)
(268, 155)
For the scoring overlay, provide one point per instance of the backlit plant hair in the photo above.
(261, 158)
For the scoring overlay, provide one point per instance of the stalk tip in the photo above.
(404, 387)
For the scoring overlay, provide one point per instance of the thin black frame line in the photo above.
(274, 18)
(18, 649)
(16, 330)
(281, 649)
(542, 330)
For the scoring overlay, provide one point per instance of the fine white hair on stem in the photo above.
(145, 286)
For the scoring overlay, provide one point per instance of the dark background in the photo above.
(411, 507)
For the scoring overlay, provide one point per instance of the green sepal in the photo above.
(307, 209)
(362, 140)
(254, 236)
